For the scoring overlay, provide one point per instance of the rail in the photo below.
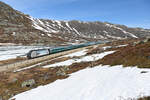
(30, 62)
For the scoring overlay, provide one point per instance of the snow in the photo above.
(37, 24)
(22, 69)
(114, 37)
(67, 24)
(93, 57)
(76, 31)
(98, 83)
(76, 54)
(49, 35)
(102, 37)
(14, 33)
(45, 27)
(105, 31)
(42, 34)
(9, 52)
(107, 47)
(59, 23)
(122, 45)
(132, 35)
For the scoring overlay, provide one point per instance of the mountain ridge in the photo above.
(16, 27)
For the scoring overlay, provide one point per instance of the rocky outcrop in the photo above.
(28, 83)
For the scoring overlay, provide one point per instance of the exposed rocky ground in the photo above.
(16, 27)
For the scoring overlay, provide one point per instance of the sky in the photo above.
(133, 13)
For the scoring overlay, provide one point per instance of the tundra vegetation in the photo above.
(133, 54)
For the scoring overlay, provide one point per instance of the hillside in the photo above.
(83, 74)
(16, 27)
(135, 54)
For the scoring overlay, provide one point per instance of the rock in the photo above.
(6, 91)
(28, 83)
(46, 77)
(13, 99)
(143, 71)
(60, 72)
(147, 40)
(1, 98)
(65, 68)
(148, 57)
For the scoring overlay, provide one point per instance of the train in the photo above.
(43, 52)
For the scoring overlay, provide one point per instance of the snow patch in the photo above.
(93, 57)
(38, 24)
(132, 35)
(79, 53)
(114, 37)
(76, 31)
(122, 45)
(107, 47)
(67, 24)
(14, 33)
(59, 23)
(105, 31)
(98, 83)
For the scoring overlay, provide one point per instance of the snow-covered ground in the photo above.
(76, 54)
(98, 83)
(92, 57)
(8, 52)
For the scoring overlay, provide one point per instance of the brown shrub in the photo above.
(144, 98)
(9, 61)
(130, 56)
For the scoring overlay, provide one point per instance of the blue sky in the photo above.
(133, 13)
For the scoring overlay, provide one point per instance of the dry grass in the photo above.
(10, 88)
(98, 49)
(128, 56)
(10, 61)
(138, 55)
(144, 98)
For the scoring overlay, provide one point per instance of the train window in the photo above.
(42, 52)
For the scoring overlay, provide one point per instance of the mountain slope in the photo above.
(17, 27)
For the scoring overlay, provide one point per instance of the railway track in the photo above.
(31, 62)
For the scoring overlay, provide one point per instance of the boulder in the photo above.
(28, 83)
(46, 77)
(65, 68)
(61, 72)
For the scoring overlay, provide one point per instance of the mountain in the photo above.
(16, 27)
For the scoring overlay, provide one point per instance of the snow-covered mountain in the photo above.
(17, 27)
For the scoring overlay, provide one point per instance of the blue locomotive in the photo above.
(43, 52)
